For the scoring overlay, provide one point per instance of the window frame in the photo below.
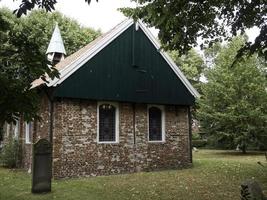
(116, 105)
(8, 129)
(17, 128)
(163, 135)
(28, 127)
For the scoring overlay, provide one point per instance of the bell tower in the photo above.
(56, 50)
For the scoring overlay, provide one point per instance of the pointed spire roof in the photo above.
(56, 43)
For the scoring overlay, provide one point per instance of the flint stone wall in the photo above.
(77, 153)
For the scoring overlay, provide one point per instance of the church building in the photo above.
(120, 105)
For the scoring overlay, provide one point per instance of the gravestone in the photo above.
(251, 190)
(42, 166)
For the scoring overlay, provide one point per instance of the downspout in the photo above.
(134, 135)
(190, 133)
(51, 121)
(51, 116)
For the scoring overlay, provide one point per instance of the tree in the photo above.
(180, 23)
(27, 5)
(22, 57)
(191, 64)
(233, 105)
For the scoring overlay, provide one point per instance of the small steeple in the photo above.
(56, 50)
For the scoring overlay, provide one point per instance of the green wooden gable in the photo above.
(129, 69)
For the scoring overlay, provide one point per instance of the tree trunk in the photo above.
(244, 149)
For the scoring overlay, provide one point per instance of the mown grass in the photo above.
(216, 175)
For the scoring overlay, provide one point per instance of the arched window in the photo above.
(155, 124)
(107, 123)
(28, 132)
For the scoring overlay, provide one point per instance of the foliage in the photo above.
(216, 175)
(10, 154)
(199, 143)
(27, 5)
(195, 136)
(233, 105)
(191, 64)
(22, 57)
(181, 23)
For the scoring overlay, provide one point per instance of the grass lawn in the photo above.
(216, 175)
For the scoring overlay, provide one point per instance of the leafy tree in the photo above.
(191, 64)
(180, 23)
(27, 5)
(22, 57)
(233, 105)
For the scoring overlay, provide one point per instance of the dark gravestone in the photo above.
(251, 190)
(42, 166)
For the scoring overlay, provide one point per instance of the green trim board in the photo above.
(129, 69)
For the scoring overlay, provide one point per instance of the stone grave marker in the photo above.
(42, 166)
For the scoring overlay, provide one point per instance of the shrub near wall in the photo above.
(9, 156)
(199, 143)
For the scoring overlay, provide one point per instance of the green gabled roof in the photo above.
(124, 65)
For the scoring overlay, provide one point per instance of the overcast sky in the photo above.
(102, 15)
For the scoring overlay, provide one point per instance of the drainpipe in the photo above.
(134, 124)
(134, 135)
(190, 133)
(51, 116)
(51, 121)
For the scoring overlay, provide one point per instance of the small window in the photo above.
(7, 129)
(16, 129)
(57, 57)
(107, 123)
(28, 133)
(155, 124)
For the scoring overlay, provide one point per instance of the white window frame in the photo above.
(7, 129)
(17, 129)
(27, 132)
(163, 135)
(116, 105)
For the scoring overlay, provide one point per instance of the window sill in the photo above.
(157, 141)
(108, 142)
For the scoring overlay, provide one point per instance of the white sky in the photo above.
(102, 15)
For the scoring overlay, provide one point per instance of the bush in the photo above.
(9, 156)
(199, 143)
(216, 142)
(196, 136)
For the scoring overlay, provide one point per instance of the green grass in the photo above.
(216, 175)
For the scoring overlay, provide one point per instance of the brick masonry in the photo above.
(77, 153)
